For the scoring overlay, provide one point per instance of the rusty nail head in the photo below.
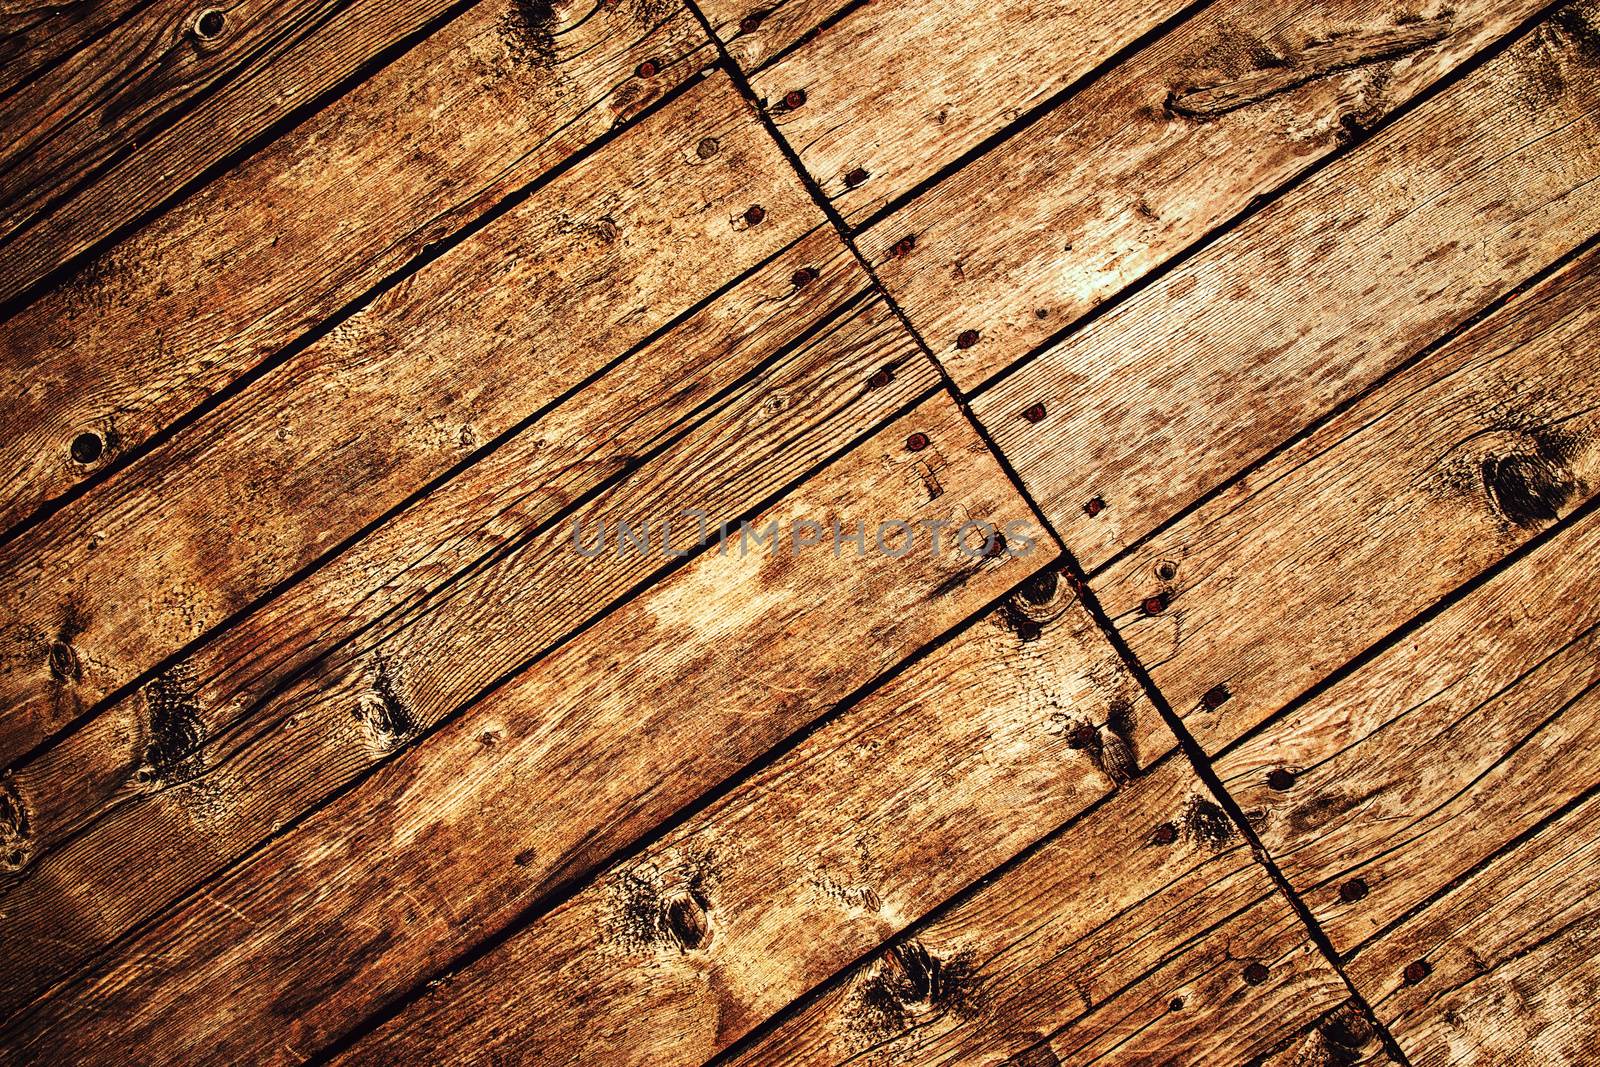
(1175, 1004)
(648, 69)
(1256, 973)
(1035, 413)
(1353, 890)
(1165, 834)
(1416, 971)
(804, 277)
(1215, 697)
(754, 214)
(995, 546)
(1155, 605)
(917, 442)
(794, 98)
(855, 177)
(967, 338)
(751, 22)
(881, 378)
(902, 248)
(1094, 507)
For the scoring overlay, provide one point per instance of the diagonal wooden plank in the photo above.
(456, 593)
(755, 31)
(1144, 927)
(966, 758)
(1503, 967)
(898, 89)
(1498, 692)
(558, 769)
(1433, 477)
(120, 126)
(1435, 809)
(394, 396)
(1150, 158)
(1162, 399)
(35, 36)
(221, 282)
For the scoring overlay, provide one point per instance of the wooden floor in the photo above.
(398, 664)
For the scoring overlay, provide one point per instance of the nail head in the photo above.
(917, 442)
(967, 338)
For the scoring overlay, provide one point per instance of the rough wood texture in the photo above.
(673, 954)
(1436, 475)
(501, 326)
(1163, 398)
(1149, 159)
(228, 277)
(1438, 808)
(125, 122)
(34, 36)
(900, 88)
(551, 773)
(427, 633)
(755, 31)
(1114, 941)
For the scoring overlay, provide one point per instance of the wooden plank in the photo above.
(229, 276)
(461, 590)
(1104, 945)
(755, 31)
(1510, 958)
(553, 772)
(1326, 290)
(506, 323)
(970, 756)
(898, 88)
(1434, 476)
(121, 125)
(1419, 766)
(1149, 159)
(34, 36)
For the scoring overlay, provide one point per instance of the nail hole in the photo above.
(1215, 697)
(87, 447)
(1094, 507)
(1282, 779)
(210, 24)
(1041, 313)
(1166, 570)
(1256, 973)
(754, 214)
(1175, 1004)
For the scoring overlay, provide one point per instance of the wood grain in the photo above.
(1165, 397)
(550, 774)
(755, 31)
(125, 122)
(36, 34)
(1150, 158)
(671, 955)
(1108, 944)
(436, 606)
(1499, 689)
(898, 89)
(228, 277)
(393, 397)
(1436, 475)
(1440, 813)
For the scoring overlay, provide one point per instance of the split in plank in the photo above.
(1165, 397)
(550, 775)
(504, 325)
(1434, 476)
(971, 755)
(461, 590)
(221, 282)
(1024, 241)
(899, 88)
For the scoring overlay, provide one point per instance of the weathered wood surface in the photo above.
(550, 775)
(1129, 934)
(899, 88)
(504, 324)
(229, 276)
(433, 627)
(755, 31)
(36, 34)
(1437, 806)
(970, 756)
(1150, 158)
(1434, 476)
(1166, 396)
(123, 123)
(1511, 955)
